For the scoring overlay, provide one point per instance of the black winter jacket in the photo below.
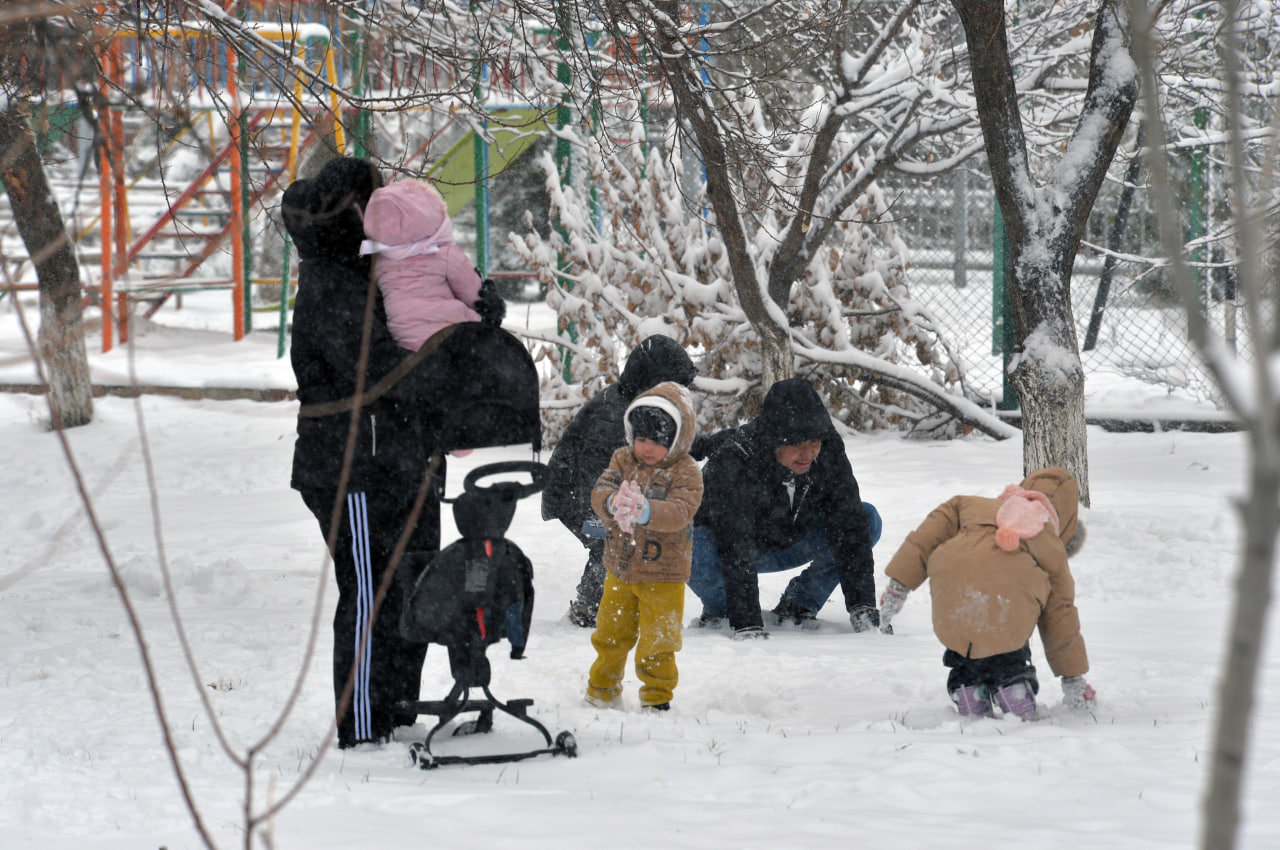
(328, 325)
(747, 507)
(596, 431)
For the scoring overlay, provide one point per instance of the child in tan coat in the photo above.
(647, 498)
(998, 571)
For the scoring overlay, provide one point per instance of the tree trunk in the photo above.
(1044, 226)
(1053, 421)
(1247, 625)
(1046, 371)
(694, 107)
(39, 221)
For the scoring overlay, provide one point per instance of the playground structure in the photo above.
(242, 120)
(205, 226)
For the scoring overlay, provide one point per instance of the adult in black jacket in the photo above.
(336, 313)
(584, 451)
(779, 493)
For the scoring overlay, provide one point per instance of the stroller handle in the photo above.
(537, 471)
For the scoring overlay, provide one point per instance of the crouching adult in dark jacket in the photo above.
(362, 520)
(780, 494)
(584, 451)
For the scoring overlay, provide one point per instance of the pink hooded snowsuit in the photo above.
(427, 281)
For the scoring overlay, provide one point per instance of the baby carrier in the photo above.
(479, 590)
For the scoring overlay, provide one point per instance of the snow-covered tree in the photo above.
(32, 50)
(1188, 67)
(1045, 219)
(781, 127)
(646, 265)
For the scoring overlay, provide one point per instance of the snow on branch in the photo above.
(655, 263)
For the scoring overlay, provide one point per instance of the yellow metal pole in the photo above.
(331, 73)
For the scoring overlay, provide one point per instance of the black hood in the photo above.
(654, 360)
(323, 214)
(792, 413)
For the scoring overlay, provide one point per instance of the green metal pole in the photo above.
(1001, 319)
(245, 230)
(480, 172)
(284, 299)
(1196, 204)
(360, 136)
(564, 168)
(482, 198)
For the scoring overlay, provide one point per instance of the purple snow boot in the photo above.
(972, 701)
(1018, 699)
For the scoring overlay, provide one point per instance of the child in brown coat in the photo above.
(647, 498)
(998, 570)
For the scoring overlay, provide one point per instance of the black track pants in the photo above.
(388, 669)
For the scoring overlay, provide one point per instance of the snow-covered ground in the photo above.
(824, 739)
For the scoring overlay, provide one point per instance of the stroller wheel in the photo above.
(421, 757)
(567, 744)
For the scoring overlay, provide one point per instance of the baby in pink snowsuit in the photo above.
(427, 281)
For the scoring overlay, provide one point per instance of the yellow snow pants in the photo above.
(647, 611)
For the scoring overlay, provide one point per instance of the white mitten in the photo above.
(891, 602)
(628, 496)
(627, 504)
(1077, 693)
(625, 519)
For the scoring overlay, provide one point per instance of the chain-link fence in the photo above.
(1141, 329)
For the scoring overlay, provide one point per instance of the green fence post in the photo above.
(245, 228)
(482, 197)
(284, 299)
(361, 131)
(1001, 319)
(1195, 207)
(564, 168)
(246, 232)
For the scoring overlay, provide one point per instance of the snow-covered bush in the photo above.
(637, 252)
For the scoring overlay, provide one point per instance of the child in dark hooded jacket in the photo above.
(584, 450)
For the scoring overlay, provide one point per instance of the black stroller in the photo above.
(479, 590)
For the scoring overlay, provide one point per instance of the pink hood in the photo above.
(407, 212)
(427, 281)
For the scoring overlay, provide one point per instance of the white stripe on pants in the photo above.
(358, 513)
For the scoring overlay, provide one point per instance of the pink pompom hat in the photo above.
(1023, 515)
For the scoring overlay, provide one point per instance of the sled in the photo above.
(458, 702)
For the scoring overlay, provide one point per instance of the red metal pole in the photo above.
(106, 295)
(120, 206)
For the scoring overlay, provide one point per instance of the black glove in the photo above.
(864, 618)
(489, 305)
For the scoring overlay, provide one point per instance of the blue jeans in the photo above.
(810, 590)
